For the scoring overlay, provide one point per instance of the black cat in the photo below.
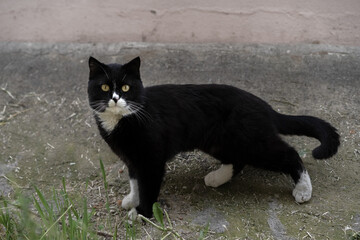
(146, 127)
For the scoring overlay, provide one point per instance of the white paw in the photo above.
(220, 176)
(129, 202)
(303, 189)
(210, 180)
(132, 214)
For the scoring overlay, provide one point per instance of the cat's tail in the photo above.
(311, 127)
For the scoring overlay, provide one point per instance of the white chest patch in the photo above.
(113, 113)
(109, 120)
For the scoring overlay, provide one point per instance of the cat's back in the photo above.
(201, 94)
(192, 90)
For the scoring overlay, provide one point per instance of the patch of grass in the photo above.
(61, 217)
(55, 218)
(166, 229)
(131, 230)
(8, 228)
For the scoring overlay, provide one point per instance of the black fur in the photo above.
(230, 124)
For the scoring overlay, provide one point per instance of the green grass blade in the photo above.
(85, 221)
(103, 174)
(56, 199)
(72, 226)
(48, 230)
(74, 210)
(105, 185)
(63, 225)
(130, 230)
(44, 202)
(65, 194)
(39, 209)
(64, 185)
(7, 221)
(115, 233)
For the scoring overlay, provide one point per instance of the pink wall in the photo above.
(239, 21)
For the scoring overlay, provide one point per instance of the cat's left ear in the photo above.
(133, 66)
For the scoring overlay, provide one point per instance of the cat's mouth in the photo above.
(119, 108)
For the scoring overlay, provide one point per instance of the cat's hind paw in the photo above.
(211, 180)
(303, 189)
(219, 176)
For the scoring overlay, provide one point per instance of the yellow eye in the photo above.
(125, 88)
(105, 87)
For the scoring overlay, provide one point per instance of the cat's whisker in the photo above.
(145, 114)
(139, 108)
(139, 115)
(98, 106)
(142, 117)
(139, 112)
(98, 109)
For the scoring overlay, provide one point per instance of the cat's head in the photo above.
(115, 90)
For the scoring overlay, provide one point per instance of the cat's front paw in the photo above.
(130, 202)
(133, 214)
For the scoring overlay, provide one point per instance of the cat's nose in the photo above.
(115, 97)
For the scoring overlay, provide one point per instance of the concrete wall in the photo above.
(228, 21)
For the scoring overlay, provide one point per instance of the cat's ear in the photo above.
(133, 66)
(95, 67)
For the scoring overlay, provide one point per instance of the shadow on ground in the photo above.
(47, 132)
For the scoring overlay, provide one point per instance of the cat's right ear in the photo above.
(95, 67)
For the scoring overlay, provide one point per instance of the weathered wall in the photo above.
(264, 21)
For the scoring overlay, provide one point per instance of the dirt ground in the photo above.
(47, 132)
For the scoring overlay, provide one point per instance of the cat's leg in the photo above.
(150, 179)
(219, 176)
(132, 200)
(228, 169)
(145, 183)
(303, 188)
(282, 157)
